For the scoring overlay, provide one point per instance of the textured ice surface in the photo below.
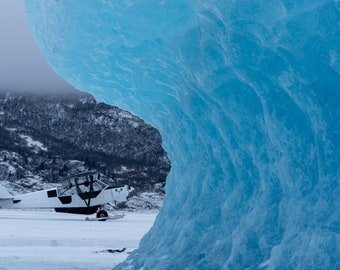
(246, 95)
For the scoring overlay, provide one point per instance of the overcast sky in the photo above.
(21, 65)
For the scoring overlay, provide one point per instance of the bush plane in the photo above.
(81, 194)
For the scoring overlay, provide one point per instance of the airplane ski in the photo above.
(104, 218)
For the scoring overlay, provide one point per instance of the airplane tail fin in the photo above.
(4, 194)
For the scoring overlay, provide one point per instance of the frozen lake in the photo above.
(49, 240)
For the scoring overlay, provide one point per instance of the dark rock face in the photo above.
(52, 136)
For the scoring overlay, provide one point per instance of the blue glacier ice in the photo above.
(246, 96)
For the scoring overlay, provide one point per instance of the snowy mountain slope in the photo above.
(49, 136)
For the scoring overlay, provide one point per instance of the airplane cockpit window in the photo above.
(83, 183)
(51, 193)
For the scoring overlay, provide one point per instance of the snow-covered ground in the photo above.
(49, 240)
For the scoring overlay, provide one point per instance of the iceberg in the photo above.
(246, 96)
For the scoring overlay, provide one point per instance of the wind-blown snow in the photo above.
(246, 96)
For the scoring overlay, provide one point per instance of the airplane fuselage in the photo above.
(73, 203)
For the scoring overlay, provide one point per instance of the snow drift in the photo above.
(246, 96)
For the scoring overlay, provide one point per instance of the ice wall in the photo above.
(246, 96)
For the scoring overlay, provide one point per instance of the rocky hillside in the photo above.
(44, 138)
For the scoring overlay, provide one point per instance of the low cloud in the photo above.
(22, 68)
